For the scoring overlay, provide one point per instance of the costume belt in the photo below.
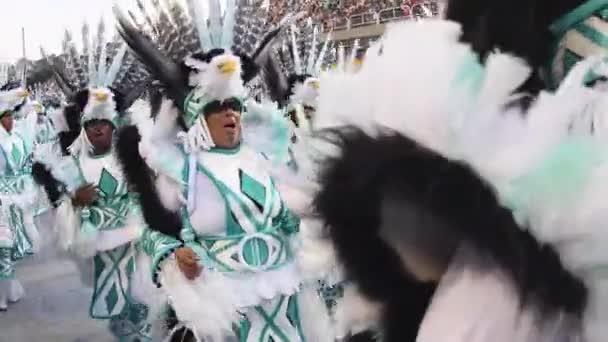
(245, 253)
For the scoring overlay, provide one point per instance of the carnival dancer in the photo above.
(98, 221)
(221, 238)
(46, 132)
(47, 143)
(17, 193)
(464, 193)
(299, 62)
(47, 102)
(10, 288)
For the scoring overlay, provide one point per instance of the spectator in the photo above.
(331, 12)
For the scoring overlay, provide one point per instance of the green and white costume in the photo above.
(104, 239)
(581, 33)
(10, 288)
(234, 219)
(47, 143)
(231, 212)
(18, 233)
(46, 133)
(17, 191)
(237, 224)
(579, 67)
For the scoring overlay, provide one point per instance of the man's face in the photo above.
(99, 133)
(224, 122)
(7, 122)
(309, 112)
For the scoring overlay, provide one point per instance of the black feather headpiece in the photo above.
(548, 34)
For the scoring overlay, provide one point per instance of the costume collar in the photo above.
(226, 150)
(586, 35)
(579, 14)
(100, 156)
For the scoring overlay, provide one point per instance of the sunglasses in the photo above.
(96, 122)
(232, 103)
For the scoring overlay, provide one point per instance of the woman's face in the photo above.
(99, 133)
(224, 122)
(7, 122)
(225, 128)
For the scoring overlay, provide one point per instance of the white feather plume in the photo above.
(114, 68)
(197, 13)
(296, 52)
(552, 180)
(228, 25)
(215, 21)
(312, 54)
(203, 305)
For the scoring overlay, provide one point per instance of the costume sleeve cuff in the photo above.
(160, 258)
(159, 247)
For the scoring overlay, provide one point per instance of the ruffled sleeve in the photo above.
(159, 247)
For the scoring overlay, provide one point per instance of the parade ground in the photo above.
(55, 308)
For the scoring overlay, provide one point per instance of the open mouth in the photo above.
(230, 126)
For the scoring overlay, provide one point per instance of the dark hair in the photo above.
(6, 112)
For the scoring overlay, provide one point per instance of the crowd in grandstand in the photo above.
(330, 12)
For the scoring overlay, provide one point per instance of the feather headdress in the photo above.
(20, 98)
(298, 63)
(100, 81)
(199, 56)
(12, 100)
(48, 94)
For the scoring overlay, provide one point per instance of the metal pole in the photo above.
(24, 76)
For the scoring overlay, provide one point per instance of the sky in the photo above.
(45, 22)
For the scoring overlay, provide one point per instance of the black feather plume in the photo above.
(521, 29)
(43, 177)
(275, 80)
(160, 66)
(350, 203)
(140, 177)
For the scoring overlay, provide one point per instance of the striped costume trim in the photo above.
(580, 34)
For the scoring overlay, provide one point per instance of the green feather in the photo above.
(559, 177)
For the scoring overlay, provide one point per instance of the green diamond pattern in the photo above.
(131, 266)
(209, 243)
(253, 189)
(244, 330)
(293, 311)
(112, 298)
(107, 183)
(98, 266)
(16, 154)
